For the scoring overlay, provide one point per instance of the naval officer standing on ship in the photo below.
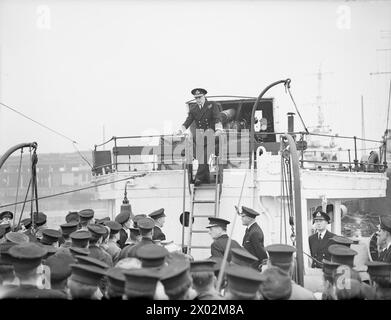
(253, 238)
(321, 240)
(206, 115)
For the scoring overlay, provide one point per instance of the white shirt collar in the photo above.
(322, 233)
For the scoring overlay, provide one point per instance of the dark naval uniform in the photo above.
(100, 254)
(32, 292)
(158, 234)
(218, 246)
(204, 118)
(385, 256)
(253, 242)
(385, 224)
(319, 247)
(131, 250)
(253, 237)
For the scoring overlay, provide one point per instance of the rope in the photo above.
(77, 150)
(77, 190)
(228, 246)
(287, 88)
(17, 185)
(24, 204)
(40, 124)
(388, 110)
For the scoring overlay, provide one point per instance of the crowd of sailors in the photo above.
(130, 258)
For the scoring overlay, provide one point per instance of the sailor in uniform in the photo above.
(145, 226)
(204, 279)
(321, 240)
(218, 231)
(6, 217)
(385, 238)
(206, 115)
(253, 238)
(124, 220)
(159, 217)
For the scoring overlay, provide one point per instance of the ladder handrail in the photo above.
(194, 201)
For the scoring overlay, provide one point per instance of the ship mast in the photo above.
(362, 128)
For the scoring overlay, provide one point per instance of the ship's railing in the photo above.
(161, 152)
(169, 152)
(375, 159)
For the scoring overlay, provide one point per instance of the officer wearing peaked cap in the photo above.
(84, 281)
(50, 237)
(112, 246)
(385, 237)
(320, 241)
(204, 280)
(60, 270)
(380, 273)
(281, 256)
(124, 219)
(85, 218)
(342, 254)
(140, 283)
(242, 257)
(97, 232)
(72, 216)
(6, 217)
(159, 218)
(40, 222)
(146, 231)
(152, 256)
(17, 237)
(253, 238)
(176, 280)
(66, 230)
(205, 115)
(242, 283)
(218, 231)
(116, 283)
(26, 258)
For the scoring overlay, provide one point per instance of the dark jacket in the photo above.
(123, 236)
(385, 255)
(131, 250)
(32, 292)
(158, 234)
(204, 118)
(100, 254)
(253, 242)
(319, 248)
(218, 246)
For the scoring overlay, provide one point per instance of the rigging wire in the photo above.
(18, 183)
(388, 110)
(287, 88)
(74, 142)
(76, 190)
(37, 122)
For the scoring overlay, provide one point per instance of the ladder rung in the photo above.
(207, 187)
(200, 247)
(204, 201)
(199, 231)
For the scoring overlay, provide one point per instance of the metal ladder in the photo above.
(216, 188)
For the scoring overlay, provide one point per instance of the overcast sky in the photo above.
(129, 66)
